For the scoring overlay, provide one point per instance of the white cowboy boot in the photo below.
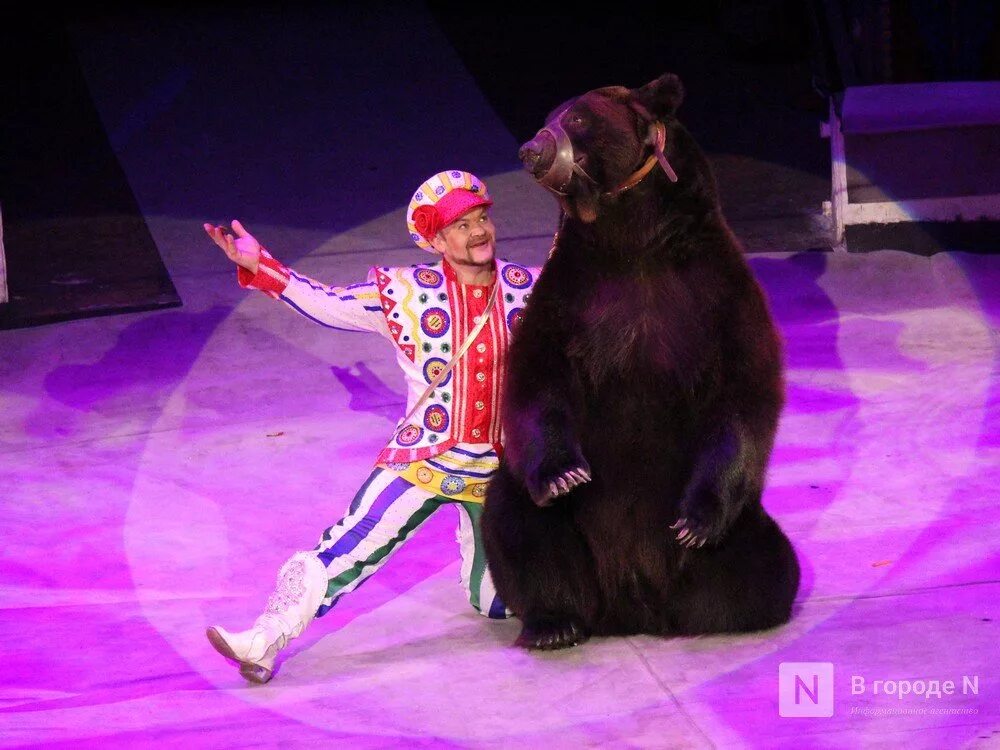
(301, 586)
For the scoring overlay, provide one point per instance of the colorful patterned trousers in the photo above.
(384, 513)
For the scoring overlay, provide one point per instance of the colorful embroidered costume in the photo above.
(450, 447)
(446, 448)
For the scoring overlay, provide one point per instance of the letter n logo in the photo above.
(805, 688)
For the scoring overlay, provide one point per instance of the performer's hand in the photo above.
(243, 249)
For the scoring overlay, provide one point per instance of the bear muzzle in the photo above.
(538, 154)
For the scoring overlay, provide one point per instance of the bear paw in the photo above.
(551, 485)
(550, 635)
(692, 534)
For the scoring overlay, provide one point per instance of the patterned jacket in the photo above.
(427, 314)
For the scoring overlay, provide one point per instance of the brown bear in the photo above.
(643, 391)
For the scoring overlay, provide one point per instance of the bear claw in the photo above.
(685, 537)
(563, 483)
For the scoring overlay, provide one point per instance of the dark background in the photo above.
(758, 74)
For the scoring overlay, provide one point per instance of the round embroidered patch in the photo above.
(435, 322)
(409, 435)
(436, 418)
(429, 278)
(432, 369)
(424, 474)
(517, 276)
(452, 485)
(479, 490)
(514, 318)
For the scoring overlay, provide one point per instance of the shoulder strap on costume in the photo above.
(454, 360)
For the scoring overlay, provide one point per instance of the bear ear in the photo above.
(661, 97)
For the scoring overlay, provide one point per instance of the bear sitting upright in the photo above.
(642, 396)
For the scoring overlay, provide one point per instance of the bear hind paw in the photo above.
(550, 634)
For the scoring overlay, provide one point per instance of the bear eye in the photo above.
(575, 120)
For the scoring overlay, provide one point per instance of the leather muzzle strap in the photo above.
(659, 141)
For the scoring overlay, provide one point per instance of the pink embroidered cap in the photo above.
(442, 199)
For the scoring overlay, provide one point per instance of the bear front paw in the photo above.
(692, 533)
(550, 485)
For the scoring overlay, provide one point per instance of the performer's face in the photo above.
(469, 241)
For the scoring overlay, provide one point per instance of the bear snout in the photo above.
(538, 154)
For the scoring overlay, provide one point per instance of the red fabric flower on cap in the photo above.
(427, 221)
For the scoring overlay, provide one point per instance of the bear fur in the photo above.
(642, 396)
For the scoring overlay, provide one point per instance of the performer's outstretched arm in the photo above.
(353, 308)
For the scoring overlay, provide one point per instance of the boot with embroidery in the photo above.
(302, 584)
